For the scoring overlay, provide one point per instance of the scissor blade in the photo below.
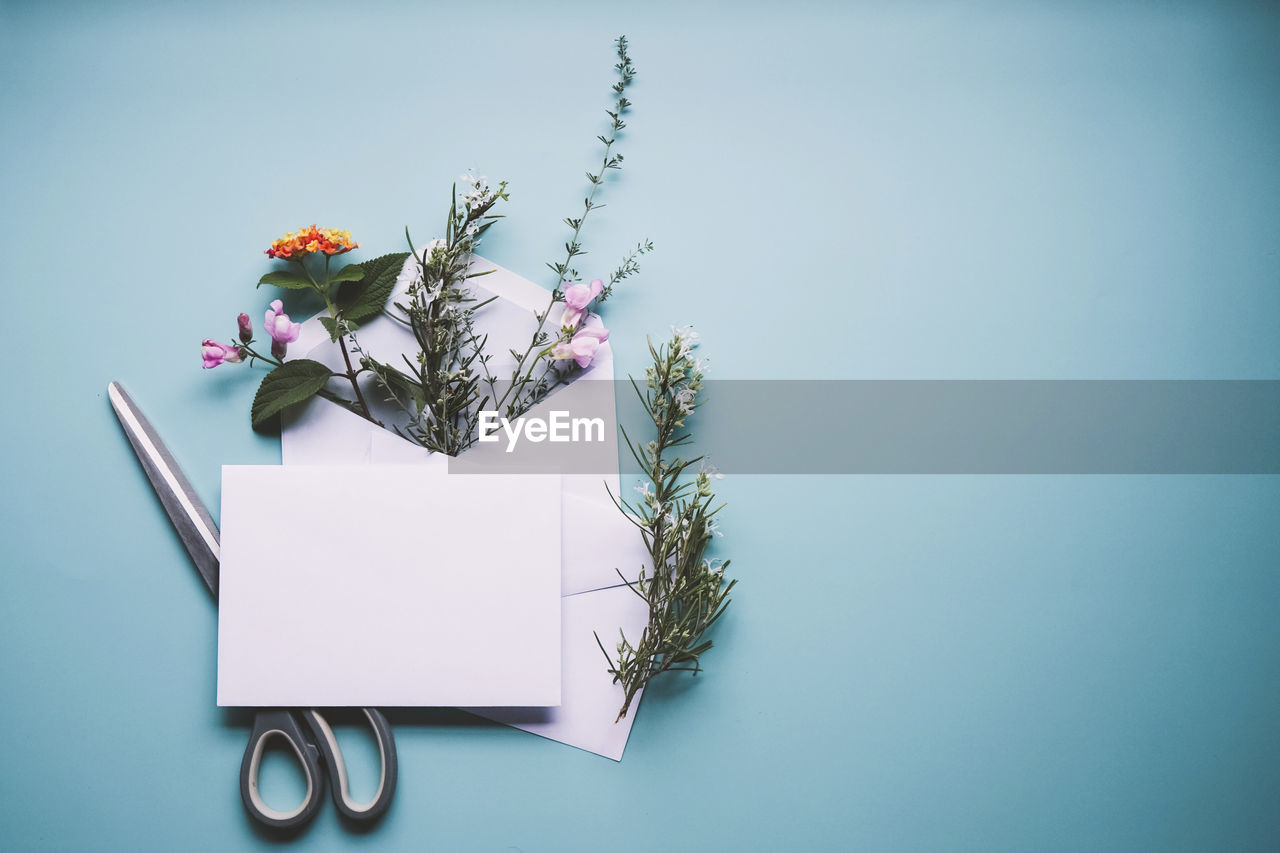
(181, 503)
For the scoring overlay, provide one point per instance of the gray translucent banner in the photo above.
(936, 427)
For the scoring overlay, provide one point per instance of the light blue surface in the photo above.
(884, 191)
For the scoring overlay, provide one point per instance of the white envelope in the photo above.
(598, 541)
(598, 537)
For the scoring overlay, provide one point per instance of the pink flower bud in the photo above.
(214, 353)
(279, 348)
(278, 326)
(246, 328)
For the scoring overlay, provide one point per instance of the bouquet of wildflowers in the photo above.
(441, 390)
(438, 392)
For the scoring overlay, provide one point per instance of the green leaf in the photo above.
(287, 279)
(351, 272)
(379, 281)
(375, 268)
(402, 386)
(290, 383)
(331, 326)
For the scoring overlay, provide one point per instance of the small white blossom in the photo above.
(479, 194)
(684, 400)
(686, 339)
(430, 250)
(707, 468)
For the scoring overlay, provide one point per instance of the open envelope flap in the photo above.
(320, 431)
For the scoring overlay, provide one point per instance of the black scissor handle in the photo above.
(328, 744)
(283, 724)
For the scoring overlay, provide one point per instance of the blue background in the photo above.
(895, 190)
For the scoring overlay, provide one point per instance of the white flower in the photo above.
(684, 400)
(437, 245)
(686, 339)
(479, 192)
(713, 528)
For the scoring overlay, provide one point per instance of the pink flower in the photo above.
(246, 328)
(576, 299)
(215, 353)
(278, 326)
(582, 348)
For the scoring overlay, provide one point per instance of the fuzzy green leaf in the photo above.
(331, 326)
(287, 279)
(351, 272)
(379, 280)
(290, 383)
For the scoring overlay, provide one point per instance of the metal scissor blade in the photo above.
(181, 503)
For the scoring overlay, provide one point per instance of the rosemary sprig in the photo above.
(440, 387)
(686, 593)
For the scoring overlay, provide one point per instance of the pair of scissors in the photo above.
(305, 731)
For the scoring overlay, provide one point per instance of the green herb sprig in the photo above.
(440, 389)
(686, 592)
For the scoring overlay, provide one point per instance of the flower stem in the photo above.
(351, 374)
(323, 290)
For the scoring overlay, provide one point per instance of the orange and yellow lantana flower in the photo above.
(305, 241)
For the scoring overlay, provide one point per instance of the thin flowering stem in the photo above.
(518, 396)
(353, 375)
(251, 354)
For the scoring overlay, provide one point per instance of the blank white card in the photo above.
(388, 585)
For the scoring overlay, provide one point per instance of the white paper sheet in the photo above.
(357, 585)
